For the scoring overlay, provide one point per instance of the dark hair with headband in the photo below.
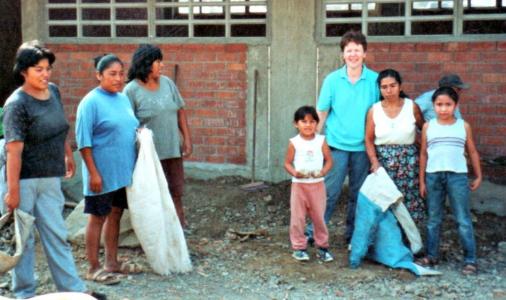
(142, 62)
(29, 55)
(393, 74)
(103, 62)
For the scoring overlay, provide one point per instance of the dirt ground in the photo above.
(261, 267)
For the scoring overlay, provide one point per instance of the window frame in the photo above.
(151, 22)
(458, 17)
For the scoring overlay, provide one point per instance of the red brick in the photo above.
(467, 56)
(183, 56)
(236, 48)
(204, 56)
(501, 45)
(455, 46)
(378, 47)
(459, 68)
(217, 159)
(214, 122)
(241, 159)
(236, 67)
(439, 56)
(493, 140)
(213, 140)
(413, 57)
(402, 47)
(497, 56)
(494, 78)
(482, 46)
(429, 67)
(386, 57)
(429, 47)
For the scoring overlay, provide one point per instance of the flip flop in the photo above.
(103, 277)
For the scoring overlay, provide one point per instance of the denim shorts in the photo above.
(101, 205)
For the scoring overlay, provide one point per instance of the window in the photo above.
(157, 18)
(390, 18)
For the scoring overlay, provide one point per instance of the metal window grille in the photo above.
(412, 19)
(156, 18)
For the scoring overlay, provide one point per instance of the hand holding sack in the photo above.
(23, 223)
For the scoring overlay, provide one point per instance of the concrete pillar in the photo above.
(32, 19)
(293, 74)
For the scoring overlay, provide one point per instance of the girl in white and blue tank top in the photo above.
(443, 172)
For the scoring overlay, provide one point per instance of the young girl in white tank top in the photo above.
(443, 171)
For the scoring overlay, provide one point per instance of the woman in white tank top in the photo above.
(390, 139)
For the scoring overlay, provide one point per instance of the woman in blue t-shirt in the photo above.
(105, 136)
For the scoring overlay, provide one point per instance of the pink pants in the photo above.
(308, 199)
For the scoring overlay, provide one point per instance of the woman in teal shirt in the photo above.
(105, 135)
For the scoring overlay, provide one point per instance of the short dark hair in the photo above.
(395, 75)
(29, 55)
(142, 62)
(104, 61)
(353, 36)
(303, 111)
(448, 91)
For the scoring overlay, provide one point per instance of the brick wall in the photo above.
(211, 79)
(481, 64)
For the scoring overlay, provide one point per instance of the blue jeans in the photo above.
(356, 166)
(43, 199)
(456, 185)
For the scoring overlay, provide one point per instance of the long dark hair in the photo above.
(29, 55)
(395, 75)
(142, 62)
(448, 91)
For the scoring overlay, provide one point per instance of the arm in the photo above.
(418, 116)
(327, 159)
(95, 178)
(70, 164)
(423, 160)
(290, 154)
(323, 117)
(419, 121)
(185, 131)
(369, 141)
(13, 168)
(475, 157)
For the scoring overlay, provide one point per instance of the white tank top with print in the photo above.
(308, 157)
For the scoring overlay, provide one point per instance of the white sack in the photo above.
(152, 212)
(381, 190)
(23, 224)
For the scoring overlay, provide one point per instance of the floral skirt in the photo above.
(401, 164)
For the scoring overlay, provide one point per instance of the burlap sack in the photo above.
(23, 224)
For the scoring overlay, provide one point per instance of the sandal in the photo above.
(426, 261)
(103, 277)
(469, 269)
(129, 267)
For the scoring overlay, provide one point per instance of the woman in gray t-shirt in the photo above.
(37, 157)
(158, 105)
